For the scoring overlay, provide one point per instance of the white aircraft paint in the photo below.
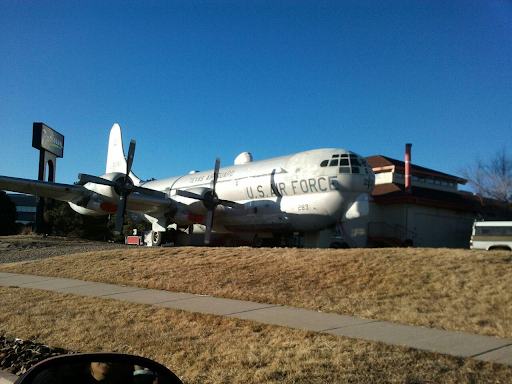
(303, 192)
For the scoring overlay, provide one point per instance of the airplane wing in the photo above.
(64, 192)
(137, 202)
(71, 193)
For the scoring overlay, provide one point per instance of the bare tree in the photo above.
(492, 179)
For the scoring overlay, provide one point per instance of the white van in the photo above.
(490, 235)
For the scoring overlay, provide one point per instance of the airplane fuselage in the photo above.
(306, 191)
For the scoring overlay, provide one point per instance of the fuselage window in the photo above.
(344, 155)
(344, 169)
(355, 162)
(334, 163)
(334, 156)
(324, 163)
(355, 169)
(344, 162)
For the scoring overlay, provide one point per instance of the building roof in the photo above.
(392, 193)
(381, 163)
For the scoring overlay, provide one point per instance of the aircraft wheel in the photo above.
(156, 238)
(257, 242)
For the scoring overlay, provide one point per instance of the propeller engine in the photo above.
(123, 186)
(210, 201)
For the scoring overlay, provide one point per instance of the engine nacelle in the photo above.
(194, 206)
(86, 211)
(193, 210)
(94, 207)
(108, 194)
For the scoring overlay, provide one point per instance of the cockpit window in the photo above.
(348, 163)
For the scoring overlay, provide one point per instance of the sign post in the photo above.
(51, 145)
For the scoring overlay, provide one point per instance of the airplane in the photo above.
(303, 192)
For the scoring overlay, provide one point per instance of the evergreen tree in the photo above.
(7, 215)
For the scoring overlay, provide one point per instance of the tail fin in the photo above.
(116, 161)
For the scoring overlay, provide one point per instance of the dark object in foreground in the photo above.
(108, 368)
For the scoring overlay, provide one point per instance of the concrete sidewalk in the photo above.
(478, 347)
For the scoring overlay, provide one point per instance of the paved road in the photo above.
(478, 347)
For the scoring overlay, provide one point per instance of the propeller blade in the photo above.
(216, 174)
(232, 204)
(273, 184)
(209, 224)
(84, 178)
(149, 192)
(188, 194)
(131, 154)
(121, 207)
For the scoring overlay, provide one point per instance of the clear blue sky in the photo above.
(194, 80)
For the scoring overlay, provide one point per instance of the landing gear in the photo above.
(153, 238)
(257, 242)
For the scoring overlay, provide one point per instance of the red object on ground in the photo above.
(133, 240)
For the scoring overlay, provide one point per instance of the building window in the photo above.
(437, 182)
(22, 208)
(444, 183)
(431, 181)
(415, 178)
(451, 185)
(422, 179)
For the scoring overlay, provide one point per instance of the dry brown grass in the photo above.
(211, 349)
(449, 289)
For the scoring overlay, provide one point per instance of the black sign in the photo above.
(46, 138)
